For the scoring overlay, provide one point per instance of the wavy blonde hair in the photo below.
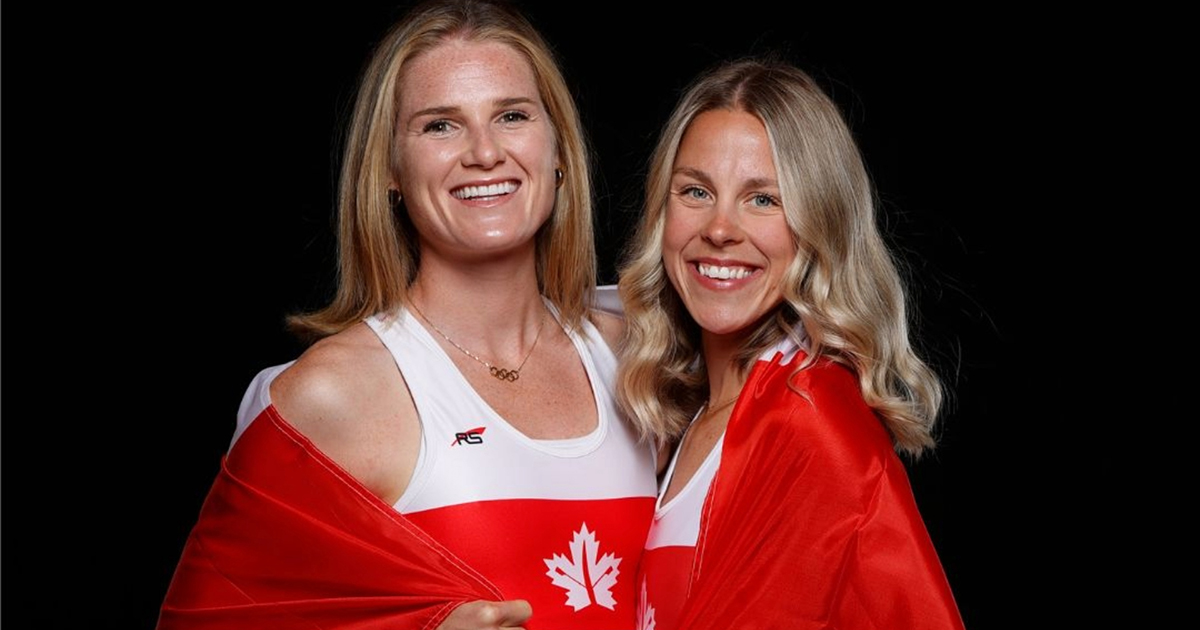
(378, 255)
(843, 291)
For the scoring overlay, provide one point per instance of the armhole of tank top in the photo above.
(587, 341)
(420, 474)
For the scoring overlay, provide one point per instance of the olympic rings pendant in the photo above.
(503, 374)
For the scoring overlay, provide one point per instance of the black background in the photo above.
(180, 185)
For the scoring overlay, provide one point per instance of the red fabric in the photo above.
(287, 539)
(811, 521)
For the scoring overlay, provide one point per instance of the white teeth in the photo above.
(491, 190)
(723, 273)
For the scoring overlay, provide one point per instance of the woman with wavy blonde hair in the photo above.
(768, 342)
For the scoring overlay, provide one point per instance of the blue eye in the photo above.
(764, 201)
(694, 192)
(437, 126)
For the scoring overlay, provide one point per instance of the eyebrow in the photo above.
(762, 182)
(757, 182)
(692, 172)
(515, 100)
(449, 109)
(433, 111)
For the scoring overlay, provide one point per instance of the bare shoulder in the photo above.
(611, 327)
(347, 396)
(608, 314)
(330, 378)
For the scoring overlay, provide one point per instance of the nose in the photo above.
(721, 226)
(484, 150)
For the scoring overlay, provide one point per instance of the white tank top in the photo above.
(469, 453)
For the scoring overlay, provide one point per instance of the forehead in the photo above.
(458, 71)
(727, 142)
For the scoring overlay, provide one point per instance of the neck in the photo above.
(725, 378)
(724, 385)
(509, 285)
(497, 318)
(499, 271)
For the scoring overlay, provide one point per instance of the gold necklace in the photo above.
(708, 411)
(498, 372)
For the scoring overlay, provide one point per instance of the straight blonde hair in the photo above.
(378, 254)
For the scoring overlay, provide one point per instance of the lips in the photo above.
(484, 191)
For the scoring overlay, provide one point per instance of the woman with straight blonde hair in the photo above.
(448, 452)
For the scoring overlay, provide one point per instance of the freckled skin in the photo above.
(471, 114)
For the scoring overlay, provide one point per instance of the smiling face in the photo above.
(476, 150)
(726, 242)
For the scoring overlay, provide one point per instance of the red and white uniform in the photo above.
(560, 523)
(808, 520)
(671, 546)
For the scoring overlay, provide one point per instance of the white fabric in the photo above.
(677, 522)
(506, 463)
(256, 398)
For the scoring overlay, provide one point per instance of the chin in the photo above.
(724, 328)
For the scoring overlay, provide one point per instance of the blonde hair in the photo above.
(843, 291)
(378, 255)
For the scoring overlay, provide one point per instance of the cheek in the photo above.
(671, 266)
(783, 250)
(407, 164)
(676, 232)
(786, 246)
(537, 149)
(783, 254)
(416, 156)
(774, 239)
(538, 156)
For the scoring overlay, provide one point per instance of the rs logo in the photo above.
(473, 436)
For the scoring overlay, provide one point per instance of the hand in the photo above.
(485, 615)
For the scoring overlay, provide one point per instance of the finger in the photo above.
(512, 613)
(488, 615)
